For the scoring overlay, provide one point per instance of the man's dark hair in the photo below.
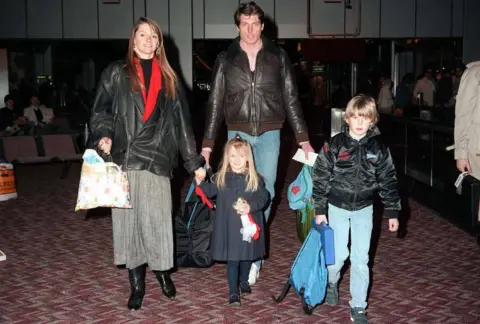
(7, 98)
(248, 9)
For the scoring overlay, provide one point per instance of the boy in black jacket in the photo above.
(349, 170)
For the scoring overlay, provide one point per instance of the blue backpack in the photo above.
(300, 191)
(308, 275)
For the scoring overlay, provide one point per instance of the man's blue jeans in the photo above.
(266, 149)
(359, 224)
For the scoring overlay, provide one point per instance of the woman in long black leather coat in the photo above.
(140, 117)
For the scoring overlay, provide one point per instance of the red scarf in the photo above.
(150, 99)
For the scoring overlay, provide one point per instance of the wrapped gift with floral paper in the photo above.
(102, 184)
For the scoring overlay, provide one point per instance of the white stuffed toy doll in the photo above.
(249, 229)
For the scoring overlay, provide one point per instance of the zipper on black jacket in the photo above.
(359, 162)
(255, 113)
(253, 79)
(254, 117)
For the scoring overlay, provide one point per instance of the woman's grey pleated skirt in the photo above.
(144, 234)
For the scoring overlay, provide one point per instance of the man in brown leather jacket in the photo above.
(254, 91)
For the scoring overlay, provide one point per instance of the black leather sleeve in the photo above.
(290, 97)
(102, 114)
(215, 109)
(186, 138)
(321, 172)
(387, 182)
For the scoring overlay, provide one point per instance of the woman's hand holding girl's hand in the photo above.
(200, 175)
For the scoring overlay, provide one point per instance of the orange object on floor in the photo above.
(8, 188)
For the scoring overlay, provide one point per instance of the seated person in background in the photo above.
(9, 123)
(7, 116)
(38, 114)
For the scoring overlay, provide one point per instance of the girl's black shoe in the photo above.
(245, 288)
(234, 300)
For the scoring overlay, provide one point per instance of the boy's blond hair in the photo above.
(364, 106)
(240, 145)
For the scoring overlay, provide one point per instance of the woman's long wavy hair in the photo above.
(169, 77)
(243, 147)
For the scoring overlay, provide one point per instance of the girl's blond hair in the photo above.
(238, 144)
(364, 106)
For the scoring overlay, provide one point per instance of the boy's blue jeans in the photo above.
(359, 223)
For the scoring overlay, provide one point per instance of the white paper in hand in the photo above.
(300, 157)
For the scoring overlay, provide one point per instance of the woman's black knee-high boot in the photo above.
(137, 286)
(165, 281)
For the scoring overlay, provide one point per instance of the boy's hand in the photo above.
(393, 224)
(321, 218)
(244, 209)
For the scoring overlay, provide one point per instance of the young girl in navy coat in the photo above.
(238, 235)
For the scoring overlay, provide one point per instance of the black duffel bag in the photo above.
(469, 205)
(193, 232)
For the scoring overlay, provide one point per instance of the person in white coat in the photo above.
(37, 113)
(467, 121)
(385, 98)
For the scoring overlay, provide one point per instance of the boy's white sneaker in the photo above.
(254, 274)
